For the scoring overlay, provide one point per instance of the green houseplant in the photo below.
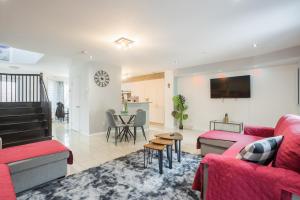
(179, 108)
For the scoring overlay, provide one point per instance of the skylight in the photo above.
(4, 53)
(18, 56)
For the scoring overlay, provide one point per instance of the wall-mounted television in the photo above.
(230, 87)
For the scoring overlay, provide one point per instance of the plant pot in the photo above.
(180, 126)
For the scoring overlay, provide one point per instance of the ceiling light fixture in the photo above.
(124, 43)
(254, 45)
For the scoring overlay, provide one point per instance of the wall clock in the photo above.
(101, 78)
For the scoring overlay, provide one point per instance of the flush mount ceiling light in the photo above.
(124, 43)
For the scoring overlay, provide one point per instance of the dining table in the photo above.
(126, 119)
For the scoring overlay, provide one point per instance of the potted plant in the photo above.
(179, 108)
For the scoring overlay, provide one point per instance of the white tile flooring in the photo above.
(90, 151)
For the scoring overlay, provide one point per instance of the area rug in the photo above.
(124, 178)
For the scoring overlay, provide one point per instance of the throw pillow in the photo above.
(261, 151)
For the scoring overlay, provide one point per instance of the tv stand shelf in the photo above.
(218, 125)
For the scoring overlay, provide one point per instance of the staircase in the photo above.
(25, 110)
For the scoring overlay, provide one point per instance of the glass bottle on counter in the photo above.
(125, 107)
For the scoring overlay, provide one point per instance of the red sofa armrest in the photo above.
(245, 180)
(7, 191)
(259, 131)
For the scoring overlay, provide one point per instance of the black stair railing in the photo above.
(22, 88)
(26, 88)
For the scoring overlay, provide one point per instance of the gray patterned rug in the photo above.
(124, 178)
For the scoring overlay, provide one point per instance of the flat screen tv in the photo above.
(230, 87)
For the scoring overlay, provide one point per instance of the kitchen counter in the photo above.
(145, 102)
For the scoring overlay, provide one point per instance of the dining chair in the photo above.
(113, 111)
(139, 121)
(113, 124)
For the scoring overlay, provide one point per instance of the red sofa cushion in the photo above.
(7, 191)
(282, 123)
(27, 151)
(288, 155)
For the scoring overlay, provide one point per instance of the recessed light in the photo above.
(124, 43)
(254, 45)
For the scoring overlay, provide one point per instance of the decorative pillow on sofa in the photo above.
(261, 151)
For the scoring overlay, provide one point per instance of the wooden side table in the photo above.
(177, 137)
(236, 127)
(169, 144)
(159, 148)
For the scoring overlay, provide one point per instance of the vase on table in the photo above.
(125, 107)
(226, 118)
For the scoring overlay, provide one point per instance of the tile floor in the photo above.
(90, 151)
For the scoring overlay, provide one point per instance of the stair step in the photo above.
(22, 125)
(19, 123)
(21, 142)
(16, 108)
(24, 122)
(19, 104)
(21, 115)
(10, 132)
(26, 134)
(19, 110)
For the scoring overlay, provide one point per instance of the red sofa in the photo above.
(7, 191)
(27, 155)
(222, 177)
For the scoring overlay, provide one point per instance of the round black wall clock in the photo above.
(101, 78)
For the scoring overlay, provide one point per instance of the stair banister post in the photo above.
(41, 88)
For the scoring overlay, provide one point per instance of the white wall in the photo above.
(152, 89)
(79, 110)
(273, 93)
(103, 98)
(88, 102)
(169, 93)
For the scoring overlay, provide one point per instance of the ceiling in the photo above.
(169, 34)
